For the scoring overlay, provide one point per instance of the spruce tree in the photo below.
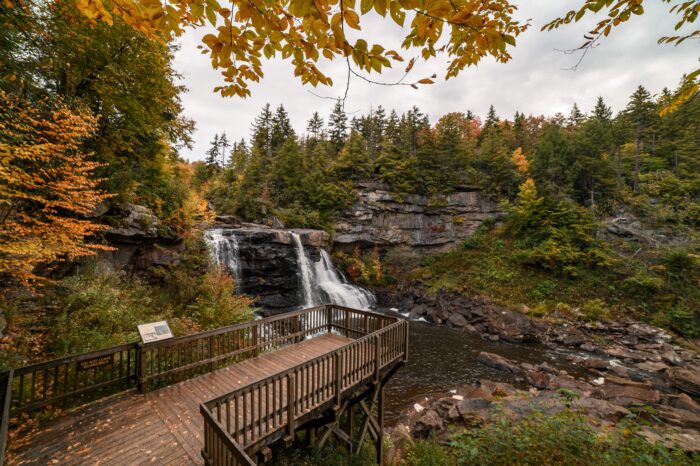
(262, 132)
(338, 126)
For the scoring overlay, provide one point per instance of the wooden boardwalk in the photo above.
(160, 427)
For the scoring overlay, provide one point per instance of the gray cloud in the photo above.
(535, 81)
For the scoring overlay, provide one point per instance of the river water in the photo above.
(441, 358)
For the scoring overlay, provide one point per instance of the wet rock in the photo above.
(497, 362)
(588, 346)
(626, 392)
(499, 389)
(574, 339)
(597, 364)
(683, 401)
(686, 380)
(600, 408)
(457, 320)
(538, 379)
(512, 326)
(427, 423)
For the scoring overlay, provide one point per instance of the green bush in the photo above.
(427, 453)
(99, 307)
(683, 320)
(594, 309)
(217, 305)
(561, 439)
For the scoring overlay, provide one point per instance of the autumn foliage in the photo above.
(46, 186)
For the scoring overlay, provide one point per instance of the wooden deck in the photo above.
(162, 427)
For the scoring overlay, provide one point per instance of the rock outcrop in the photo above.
(268, 262)
(422, 223)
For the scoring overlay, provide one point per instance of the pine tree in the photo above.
(338, 126)
(353, 161)
(315, 126)
(262, 132)
(602, 112)
(640, 115)
(281, 129)
(491, 119)
(223, 149)
(576, 116)
(213, 155)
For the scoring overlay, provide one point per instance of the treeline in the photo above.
(596, 160)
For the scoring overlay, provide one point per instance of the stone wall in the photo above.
(422, 223)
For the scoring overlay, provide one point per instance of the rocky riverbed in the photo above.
(603, 369)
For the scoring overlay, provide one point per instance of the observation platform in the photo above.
(221, 397)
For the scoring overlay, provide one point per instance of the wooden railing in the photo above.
(272, 406)
(77, 379)
(5, 391)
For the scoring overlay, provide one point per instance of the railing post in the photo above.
(291, 397)
(405, 341)
(297, 329)
(143, 377)
(347, 323)
(255, 340)
(329, 317)
(5, 413)
(377, 364)
(338, 378)
(211, 353)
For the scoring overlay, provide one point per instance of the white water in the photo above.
(311, 299)
(321, 283)
(224, 250)
(338, 290)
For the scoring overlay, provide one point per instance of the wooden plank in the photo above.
(163, 425)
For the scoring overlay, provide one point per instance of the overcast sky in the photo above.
(536, 81)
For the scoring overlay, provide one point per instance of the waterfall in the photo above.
(323, 284)
(224, 250)
(338, 290)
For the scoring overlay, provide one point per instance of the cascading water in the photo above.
(311, 298)
(224, 250)
(338, 290)
(321, 283)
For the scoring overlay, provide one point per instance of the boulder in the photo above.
(626, 392)
(134, 224)
(511, 326)
(427, 423)
(686, 380)
(538, 379)
(457, 320)
(497, 362)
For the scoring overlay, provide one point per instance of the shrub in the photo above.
(427, 453)
(217, 305)
(642, 284)
(99, 308)
(565, 438)
(683, 320)
(594, 309)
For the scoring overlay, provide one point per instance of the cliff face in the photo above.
(427, 224)
(265, 261)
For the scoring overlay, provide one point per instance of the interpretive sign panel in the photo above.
(95, 362)
(155, 331)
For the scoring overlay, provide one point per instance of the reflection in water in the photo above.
(441, 358)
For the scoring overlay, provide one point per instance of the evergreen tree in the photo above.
(213, 154)
(353, 161)
(262, 132)
(223, 149)
(576, 117)
(315, 126)
(281, 129)
(640, 116)
(338, 126)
